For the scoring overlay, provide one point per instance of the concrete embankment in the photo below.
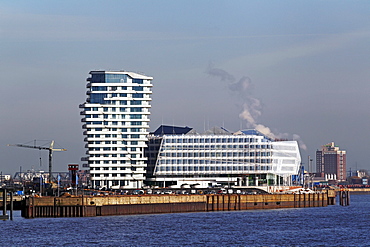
(86, 206)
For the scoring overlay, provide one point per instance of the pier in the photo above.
(91, 206)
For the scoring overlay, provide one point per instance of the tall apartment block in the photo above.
(331, 162)
(116, 122)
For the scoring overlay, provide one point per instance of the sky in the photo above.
(295, 69)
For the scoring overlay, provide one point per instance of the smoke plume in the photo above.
(251, 107)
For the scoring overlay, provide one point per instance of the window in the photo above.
(138, 81)
(136, 95)
(98, 98)
(136, 109)
(135, 102)
(137, 116)
(137, 88)
(115, 78)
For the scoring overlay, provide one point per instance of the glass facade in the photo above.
(220, 159)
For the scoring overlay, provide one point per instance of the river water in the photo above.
(326, 226)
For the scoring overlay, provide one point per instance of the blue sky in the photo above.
(306, 64)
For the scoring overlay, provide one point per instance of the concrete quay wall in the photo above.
(86, 206)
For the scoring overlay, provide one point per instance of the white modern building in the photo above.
(179, 156)
(115, 122)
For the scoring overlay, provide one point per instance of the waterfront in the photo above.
(323, 226)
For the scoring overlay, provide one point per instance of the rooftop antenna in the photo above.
(204, 125)
(162, 127)
(173, 126)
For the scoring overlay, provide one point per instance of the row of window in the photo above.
(112, 78)
(110, 149)
(114, 102)
(105, 88)
(115, 142)
(112, 175)
(114, 155)
(201, 153)
(214, 147)
(212, 140)
(120, 109)
(115, 135)
(108, 136)
(116, 116)
(133, 123)
(111, 168)
(105, 182)
(132, 162)
(205, 161)
(211, 168)
(100, 98)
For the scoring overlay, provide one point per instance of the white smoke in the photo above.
(251, 107)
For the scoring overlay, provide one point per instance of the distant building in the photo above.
(331, 162)
(179, 157)
(115, 122)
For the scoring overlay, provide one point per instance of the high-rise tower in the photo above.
(331, 162)
(116, 122)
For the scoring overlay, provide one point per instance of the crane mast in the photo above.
(51, 149)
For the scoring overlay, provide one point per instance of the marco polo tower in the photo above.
(116, 122)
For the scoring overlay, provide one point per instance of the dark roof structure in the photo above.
(171, 130)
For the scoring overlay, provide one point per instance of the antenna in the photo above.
(204, 125)
(173, 126)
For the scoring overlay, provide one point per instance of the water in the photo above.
(327, 226)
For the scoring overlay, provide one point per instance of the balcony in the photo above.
(83, 120)
(88, 85)
(81, 106)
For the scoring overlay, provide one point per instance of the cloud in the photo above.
(305, 45)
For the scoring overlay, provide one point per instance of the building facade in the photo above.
(181, 157)
(331, 162)
(115, 121)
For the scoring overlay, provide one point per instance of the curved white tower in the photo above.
(116, 121)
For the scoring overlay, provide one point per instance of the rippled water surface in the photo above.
(327, 226)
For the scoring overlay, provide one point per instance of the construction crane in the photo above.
(51, 150)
